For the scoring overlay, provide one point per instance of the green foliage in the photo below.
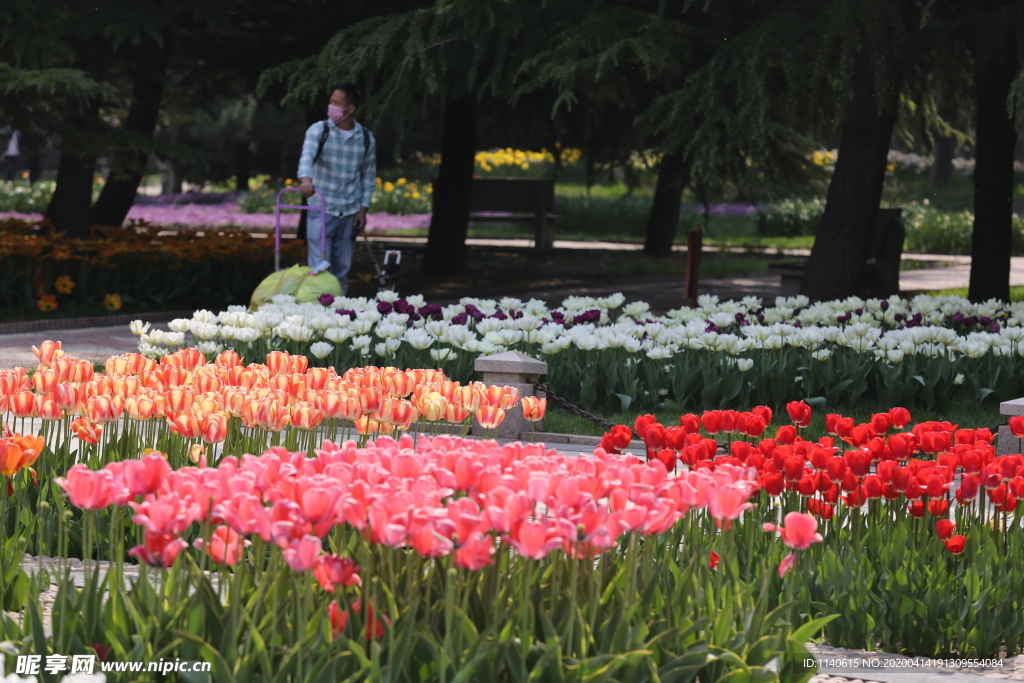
(789, 218)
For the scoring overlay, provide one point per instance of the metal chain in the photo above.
(575, 409)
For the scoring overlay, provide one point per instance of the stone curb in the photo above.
(93, 321)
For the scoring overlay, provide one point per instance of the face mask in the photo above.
(336, 113)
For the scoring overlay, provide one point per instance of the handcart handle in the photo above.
(278, 206)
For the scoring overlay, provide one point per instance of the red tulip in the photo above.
(881, 422)
(756, 425)
(475, 552)
(764, 412)
(873, 486)
(690, 423)
(225, 547)
(1017, 425)
(158, 550)
(653, 436)
(938, 508)
(711, 421)
(773, 483)
(956, 544)
(944, 528)
(337, 616)
(916, 508)
(799, 413)
(641, 424)
(968, 491)
(713, 559)
(786, 434)
(900, 417)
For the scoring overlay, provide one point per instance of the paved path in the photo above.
(91, 343)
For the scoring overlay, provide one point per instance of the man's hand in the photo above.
(306, 187)
(360, 220)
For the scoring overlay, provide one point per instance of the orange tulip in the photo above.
(186, 425)
(22, 404)
(126, 387)
(45, 380)
(47, 408)
(432, 406)
(104, 409)
(86, 430)
(207, 403)
(13, 381)
(365, 425)
(397, 383)
(316, 378)
(66, 396)
(140, 407)
(369, 400)
(81, 371)
(228, 359)
(179, 400)
(234, 400)
(534, 408)
(448, 389)
(471, 398)
(454, 413)
(47, 352)
(13, 458)
(402, 414)
(510, 397)
(118, 366)
(214, 428)
(207, 382)
(279, 362)
(490, 417)
(493, 395)
(305, 415)
(173, 375)
(188, 358)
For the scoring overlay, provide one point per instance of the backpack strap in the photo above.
(326, 134)
(323, 141)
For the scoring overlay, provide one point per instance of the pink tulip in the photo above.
(331, 570)
(301, 554)
(87, 489)
(167, 514)
(476, 552)
(531, 539)
(226, 545)
(799, 530)
(728, 502)
(788, 562)
(145, 475)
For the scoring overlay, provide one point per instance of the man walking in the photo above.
(339, 158)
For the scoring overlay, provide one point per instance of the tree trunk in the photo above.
(942, 163)
(668, 195)
(243, 163)
(836, 266)
(129, 166)
(993, 180)
(446, 241)
(70, 204)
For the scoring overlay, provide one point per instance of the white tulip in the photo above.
(321, 349)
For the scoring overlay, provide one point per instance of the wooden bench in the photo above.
(881, 277)
(516, 200)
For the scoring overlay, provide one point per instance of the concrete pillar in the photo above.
(515, 370)
(1008, 443)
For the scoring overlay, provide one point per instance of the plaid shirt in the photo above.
(345, 176)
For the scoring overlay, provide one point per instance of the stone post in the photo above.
(1007, 442)
(515, 370)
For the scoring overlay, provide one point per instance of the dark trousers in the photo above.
(10, 167)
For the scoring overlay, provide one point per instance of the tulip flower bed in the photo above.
(46, 270)
(923, 543)
(602, 354)
(437, 559)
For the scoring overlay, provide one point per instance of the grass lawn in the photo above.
(972, 415)
(1016, 293)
